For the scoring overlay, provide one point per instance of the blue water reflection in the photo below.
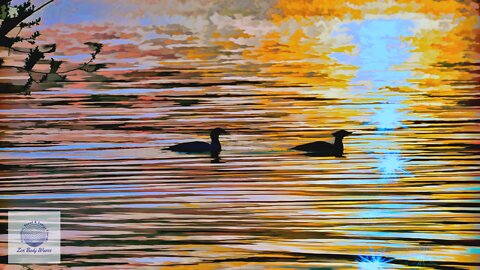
(392, 165)
(388, 116)
(381, 52)
(380, 47)
(372, 262)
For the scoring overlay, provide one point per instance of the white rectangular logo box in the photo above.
(34, 237)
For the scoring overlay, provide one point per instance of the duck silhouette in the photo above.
(202, 147)
(323, 148)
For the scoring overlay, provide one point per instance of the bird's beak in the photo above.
(350, 133)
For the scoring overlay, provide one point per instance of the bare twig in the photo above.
(18, 33)
(78, 68)
(42, 6)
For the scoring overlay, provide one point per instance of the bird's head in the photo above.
(217, 132)
(341, 133)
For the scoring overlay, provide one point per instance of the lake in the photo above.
(406, 188)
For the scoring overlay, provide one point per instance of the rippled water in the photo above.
(406, 188)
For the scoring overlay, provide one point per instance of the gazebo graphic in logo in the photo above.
(34, 233)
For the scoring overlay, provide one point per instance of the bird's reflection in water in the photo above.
(313, 154)
(215, 158)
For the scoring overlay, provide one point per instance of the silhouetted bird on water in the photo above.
(201, 147)
(323, 148)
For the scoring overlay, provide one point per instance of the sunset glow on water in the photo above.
(403, 76)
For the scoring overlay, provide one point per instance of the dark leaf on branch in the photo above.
(53, 77)
(93, 67)
(30, 24)
(33, 56)
(49, 48)
(32, 38)
(54, 66)
(27, 86)
(25, 7)
(96, 47)
(3, 10)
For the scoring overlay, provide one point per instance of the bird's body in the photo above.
(201, 147)
(194, 147)
(324, 148)
(316, 147)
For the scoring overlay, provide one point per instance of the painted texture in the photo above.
(402, 75)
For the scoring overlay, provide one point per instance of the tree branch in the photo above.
(42, 6)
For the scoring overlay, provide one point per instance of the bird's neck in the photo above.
(216, 144)
(338, 145)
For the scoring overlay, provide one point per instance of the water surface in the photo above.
(406, 188)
